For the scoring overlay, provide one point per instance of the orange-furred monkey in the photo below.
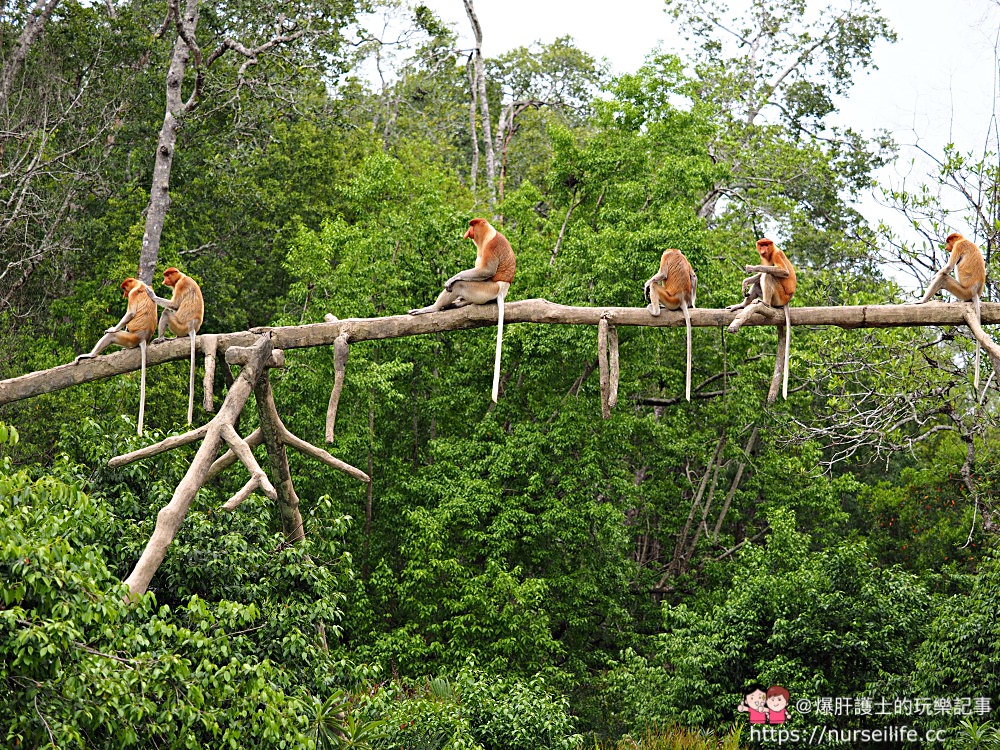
(965, 255)
(139, 322)
(772, 284)
(674, 287)
(183, 312)
(489, 280)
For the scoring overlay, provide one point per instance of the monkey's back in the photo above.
(145, 318)
(678, 283)
(508, 261)
(191, 306)
(971, 266)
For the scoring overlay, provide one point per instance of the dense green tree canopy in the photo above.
(518, 575)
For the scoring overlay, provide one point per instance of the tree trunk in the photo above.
(170, 517)
(484, 105)
(159, 192)
(37, 17)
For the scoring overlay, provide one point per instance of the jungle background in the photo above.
(524, 575)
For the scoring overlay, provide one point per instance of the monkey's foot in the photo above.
(653, 310)
(158, 340)
(82, 356)
(421, 310)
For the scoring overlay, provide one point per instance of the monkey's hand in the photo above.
(749, 282)
(82, 356)
(450, 283)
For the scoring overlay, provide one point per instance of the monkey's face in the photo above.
(951, 240)
(170, 276)
(475, 231)
(128, 285)
(765, 248)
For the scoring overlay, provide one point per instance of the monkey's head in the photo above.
(128, 285)
(477, 228)
(171, 276)
(766, 248)
(952, 239)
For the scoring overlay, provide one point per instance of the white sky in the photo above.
(936, 84)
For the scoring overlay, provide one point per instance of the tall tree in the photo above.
(770, 78)
(302, 32)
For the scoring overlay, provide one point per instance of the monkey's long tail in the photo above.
(788, 350)
(191, 388)
(979, 319)
(504, 286)
(142, 388)
(687, 324)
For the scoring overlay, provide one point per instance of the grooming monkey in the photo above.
(488, 280)
(966, 257)
(139, 322)
(674, 287)
(183, 312)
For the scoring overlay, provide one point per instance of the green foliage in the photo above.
(818, 623)
(81, 666)
(959, 656)
(474, 710)
(558, 572)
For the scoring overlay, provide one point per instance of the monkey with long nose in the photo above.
(488, 280)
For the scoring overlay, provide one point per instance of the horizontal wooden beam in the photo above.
(479, 316)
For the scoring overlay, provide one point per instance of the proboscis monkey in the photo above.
(139, 322)
(183, 312)
(674, 287)
(965, 255)
(488, 280)
(772, 284)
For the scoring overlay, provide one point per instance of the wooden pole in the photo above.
(479, 316)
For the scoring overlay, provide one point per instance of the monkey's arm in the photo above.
(658, 276)
(161, 301)
(479, 273)
(129, 314)
(776, 271)
(749, 282)
(953, 259)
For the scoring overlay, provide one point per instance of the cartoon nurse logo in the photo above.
(765, 706)
(777, 702)
(754, 703)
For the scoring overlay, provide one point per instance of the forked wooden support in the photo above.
(255, 361)
(170, 517)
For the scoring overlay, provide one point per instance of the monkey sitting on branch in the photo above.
(966, 257)
(183, 312)
(488, 280)
(772, 284)
(139, 322)
(674, 287)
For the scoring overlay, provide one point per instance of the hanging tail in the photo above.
(191, 388)
(788, 351)
(142, 388)
(687, 324)
(504, 286)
